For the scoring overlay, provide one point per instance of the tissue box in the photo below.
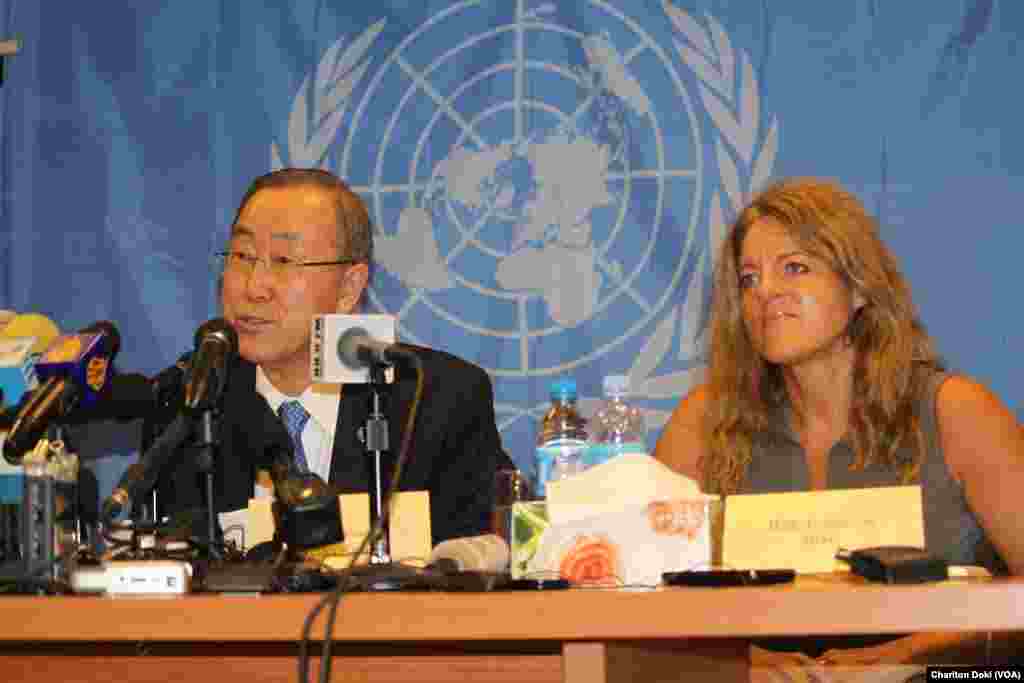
(631, 545)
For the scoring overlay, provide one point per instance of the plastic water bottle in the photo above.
(563, 437)
(616, 427)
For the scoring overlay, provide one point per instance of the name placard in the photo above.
(804, 530)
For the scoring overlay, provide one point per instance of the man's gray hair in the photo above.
(355, 233)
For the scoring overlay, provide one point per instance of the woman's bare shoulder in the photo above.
(976, 427)
(983, 445)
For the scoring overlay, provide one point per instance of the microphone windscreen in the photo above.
(216, 342)
(348, 347)
(32, 325)
(220, 329)
(487, 553)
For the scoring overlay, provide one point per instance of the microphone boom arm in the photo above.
(141, 477)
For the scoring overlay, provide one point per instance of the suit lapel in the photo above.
(350, 470)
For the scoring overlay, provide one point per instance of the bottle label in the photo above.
(557, 460)
(10, 487)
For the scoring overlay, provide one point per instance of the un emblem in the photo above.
(538, 184)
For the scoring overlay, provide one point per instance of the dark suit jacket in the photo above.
(454, 452)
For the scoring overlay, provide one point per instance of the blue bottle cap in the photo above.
(564, 389)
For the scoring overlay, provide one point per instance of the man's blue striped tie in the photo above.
(295, 417)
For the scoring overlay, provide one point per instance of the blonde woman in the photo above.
(822, 377)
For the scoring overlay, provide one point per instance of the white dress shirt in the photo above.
(321, 402)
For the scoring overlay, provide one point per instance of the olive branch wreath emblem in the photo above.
(745, 142)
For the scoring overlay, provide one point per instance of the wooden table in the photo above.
(574, 636)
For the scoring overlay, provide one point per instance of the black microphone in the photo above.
(358, 349)
(141, 476)
(127, 396)
(169, 383)
(216, 342)
(168, 387)
(306, 510)
(307, 513)
(73, 373)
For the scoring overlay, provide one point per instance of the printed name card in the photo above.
(804, 530)
(409, 537)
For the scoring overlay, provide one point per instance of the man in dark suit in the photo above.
(300, 247)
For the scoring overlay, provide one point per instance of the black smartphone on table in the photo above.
(729, 577)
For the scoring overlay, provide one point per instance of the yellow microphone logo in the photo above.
(96, 372)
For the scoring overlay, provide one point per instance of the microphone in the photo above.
(74, 371)
(358, 349)
(22, 341)
(141, 476)
(306, 510)
(169, 384)
(335, 341)
(126, 397)
(487, 553)
(216, 342)
(168, 387)
(307, 513)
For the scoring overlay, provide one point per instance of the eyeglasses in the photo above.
(280, 267)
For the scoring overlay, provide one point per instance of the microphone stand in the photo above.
(381, 574)
(205, 465)
(376, 442)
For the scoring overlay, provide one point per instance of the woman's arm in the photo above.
(984, 448)
(682, 442)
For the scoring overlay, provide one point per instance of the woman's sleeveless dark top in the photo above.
(951, 529)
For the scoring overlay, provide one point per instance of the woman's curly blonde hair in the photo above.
(894, 354)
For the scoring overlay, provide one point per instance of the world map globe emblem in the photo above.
(535, 187)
